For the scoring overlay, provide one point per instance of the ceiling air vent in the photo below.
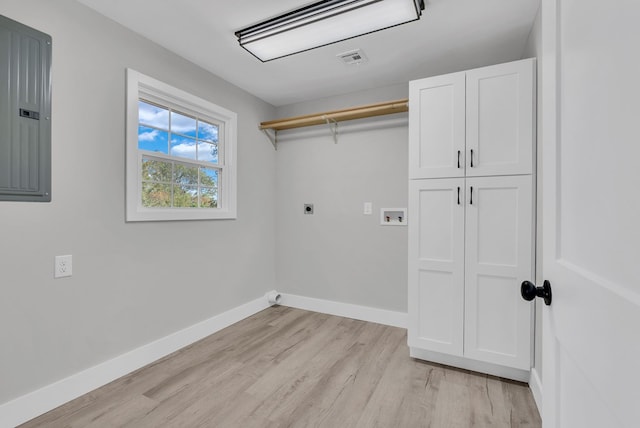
(355, 56)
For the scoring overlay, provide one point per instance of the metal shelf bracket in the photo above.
(333, 127)
(273, 138)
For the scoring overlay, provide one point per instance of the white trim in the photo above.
(549, 138)
(348, 310)
(469, 364)
(535, 384)
(33, 404)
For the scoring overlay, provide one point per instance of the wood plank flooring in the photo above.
(286, 367)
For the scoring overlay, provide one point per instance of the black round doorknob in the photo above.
(529, 291)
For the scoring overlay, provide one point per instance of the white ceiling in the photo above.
(452, 35)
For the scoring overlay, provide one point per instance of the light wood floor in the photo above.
(286, 367)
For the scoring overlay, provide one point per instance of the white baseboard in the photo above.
(364, 313)
(51, 396)
(535, 384)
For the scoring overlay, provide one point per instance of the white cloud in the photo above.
(184, 150)
(152, 115)
(188, 150)
(183, 124)
(204, 152)
(148, 135)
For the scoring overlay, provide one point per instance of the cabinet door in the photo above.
(436, 126)
(436, 265)
(498, 241)
(500, 119)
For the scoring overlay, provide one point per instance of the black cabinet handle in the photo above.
(458, 195)
(471, 158)
(471, 197)
(458, 158)
(529, 291)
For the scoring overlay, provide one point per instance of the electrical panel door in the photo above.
(25, 113)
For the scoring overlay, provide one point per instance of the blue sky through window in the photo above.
(207, 131)
(153, 140)
(191, 138)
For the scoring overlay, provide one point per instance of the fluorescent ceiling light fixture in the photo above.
(324, 22)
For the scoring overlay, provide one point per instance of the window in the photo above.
(181, 153)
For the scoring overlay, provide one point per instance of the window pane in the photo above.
(186, 175)
(207, 131)
(208, 197)
(155, 170)
(185, 196)
(150, 114)
(208, 177)
(153, 140)
(156, 195)
(208, 152)
(183, 147)
(182, 124)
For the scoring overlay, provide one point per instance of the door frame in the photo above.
(550, 127)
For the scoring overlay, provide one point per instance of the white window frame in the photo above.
(145, 87)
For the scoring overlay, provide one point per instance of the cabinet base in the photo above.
(465, 363)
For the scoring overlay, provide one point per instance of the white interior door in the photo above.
(591, 206)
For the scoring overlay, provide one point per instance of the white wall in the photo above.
(534, 49)
(132, 283)
(338, 253)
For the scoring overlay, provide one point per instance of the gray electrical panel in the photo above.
(25, 113)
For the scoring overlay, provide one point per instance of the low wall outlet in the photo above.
(308, 208)
(63, 266)
(368, 208)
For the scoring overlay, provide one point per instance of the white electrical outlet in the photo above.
(368, 208)
(63, 266)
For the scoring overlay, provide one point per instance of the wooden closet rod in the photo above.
(351, 113)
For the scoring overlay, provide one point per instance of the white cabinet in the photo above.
(498, 258)
(469, 251)
(437, 137)
(472, 227)
(436, 265)
(473, 123)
